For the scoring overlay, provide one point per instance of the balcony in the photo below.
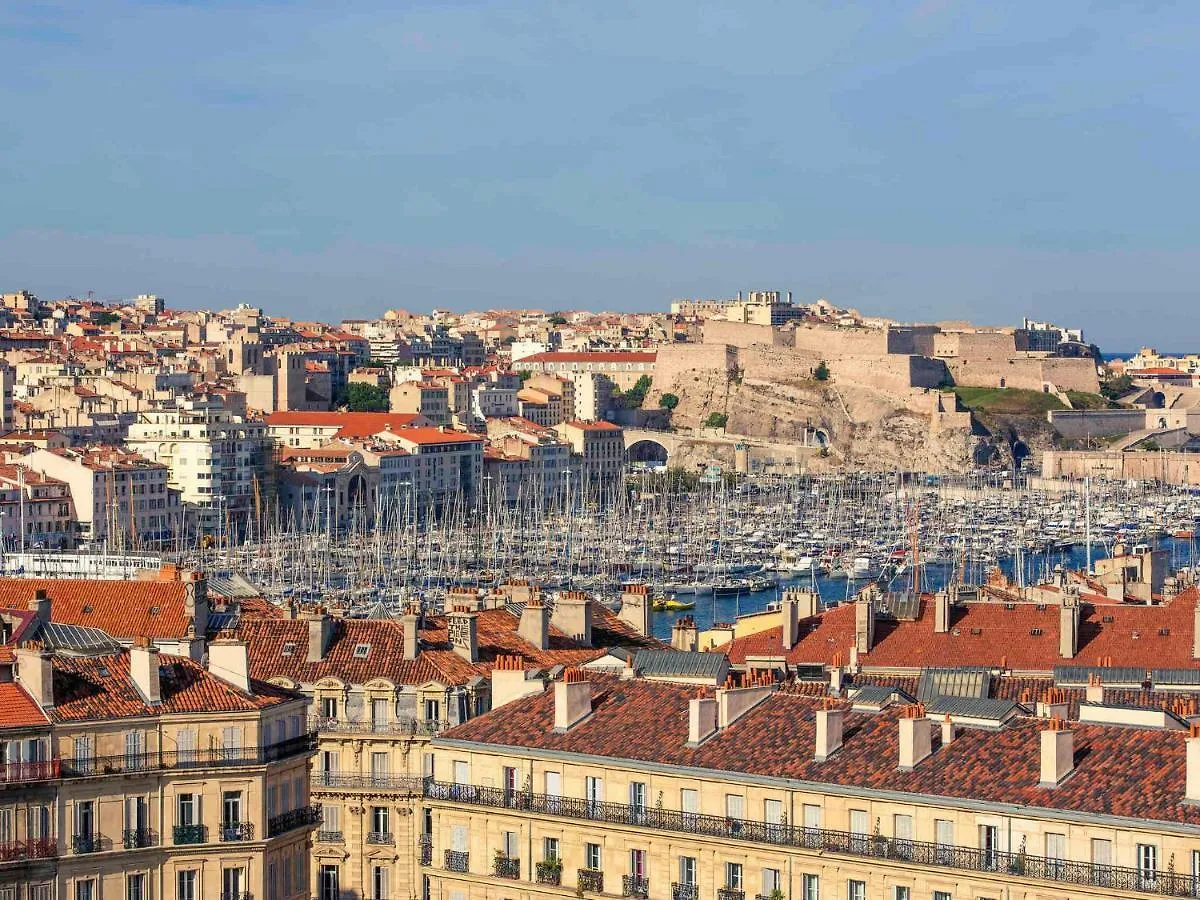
(330, 837)
(425, 849)
(303, 817)
(548, 872)
(728, 893)
(820, 840)
(381, 837)
(506, 866)
(683, 891)
(637, 886)
(405, 726)
(236, 895)
(30, 772)
(160, 760)
(407, 784)
(189, 834)
(35, 848)
(458, 861)
(236, 831)
(85, 843)
(135, 838)
(591, 881)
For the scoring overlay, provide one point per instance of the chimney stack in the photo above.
(572, 699)
(830, 719)
(535, 623)
(510, 682)
(411, 623)
(319, 628)
(702, 718)
(1068, 629)
(35, 672)
(229, 660)
(40, 605)
(734, 701)
(573, 616)
(1055, 704)
(1192, 743)
(1095, 689)
(143, 667)
(941, 611)
(462, 626)
(635, 607)
(864, 622)
(947, 731)
(916, 736)
(684, 635)
(1058, 753)
(789, 608)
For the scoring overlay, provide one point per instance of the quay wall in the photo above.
(1166, 468)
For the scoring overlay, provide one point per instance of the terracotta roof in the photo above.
(1119, 771)
(435, 436)
(349, 424)
(125, 609)
(17, 709)
(989, 633)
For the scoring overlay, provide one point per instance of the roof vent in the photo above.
(1107, 620)
(1010, 606)
(361, 651)
(288, 649)
(1036, 632)
(1164, 632)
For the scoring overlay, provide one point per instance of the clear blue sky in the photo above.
(928, 159)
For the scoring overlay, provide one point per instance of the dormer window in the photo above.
(288, 649)
(361, 651)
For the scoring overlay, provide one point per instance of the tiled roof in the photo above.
(424, 436)
(125, 609)
(1119, 771)
(17, 709)
(1024, 637)
(98, 687)
(349, 424)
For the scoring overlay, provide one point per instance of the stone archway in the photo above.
(647, 450)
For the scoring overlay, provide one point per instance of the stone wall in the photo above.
(1167, 468)
(1030, 373)
(1083, 423)
(737, 334)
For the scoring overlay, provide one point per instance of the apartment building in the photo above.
(128, 773)
(36, 511)
(314, 429)
(623, 368)
(598, 450)
(423, 398)
(445, 463)
(216, 458)
(121, 498)
(524, 462)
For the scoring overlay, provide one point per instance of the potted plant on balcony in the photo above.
(549, 871)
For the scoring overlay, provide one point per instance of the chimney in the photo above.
(535, 623)
(837, 676)
(1192, 743)
(1058, 753)
(143, 667)
(733, 702)
(941, 611)
(40, 605)
(702, 718)
(510, 681)
(789, 607)
(684, 635)
(1095, 689)
(319, 629)
(572, 699)
(916, 736)
(195, 600)
(864, 622)
(462, 626)
(229, 660)
(411, 622)
(1054, 704)
(947, 731)
(635, 607)
(1196, 631)
(573, 616)
(1068, 630)
(35, 672)
(830, 718)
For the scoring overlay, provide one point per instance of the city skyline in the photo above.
(944, 160)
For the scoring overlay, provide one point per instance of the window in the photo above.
(1056, 851)
(135, 886)
(379, 766)
(330, 817)
(85, 889)
(553, 784)
(328, 881)
(989, 845)
(185, 884)
(462, 773)
(1147, 864)
(379, 820)
(637, 863)
(687, 870)
(594, 791)
(771, 882)
(550, 848)
(591, 856)
(329, 707)
(733, 876)
(944, 837)
(856, 890)
(231, 811)
(858, 830)
(509, 844)
(689, 804)
(379, 714)
(734, 806)
(637, 797)
(942, 895)
(379, 882)
(902, 892)
(812, 815)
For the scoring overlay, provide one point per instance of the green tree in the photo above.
(821, 372)
(556, 319)
(668, 401)
(636, 395)
(1117, 386)
(361, 397)
(716, 420)
(107, 318)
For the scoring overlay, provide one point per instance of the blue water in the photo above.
(833, 590)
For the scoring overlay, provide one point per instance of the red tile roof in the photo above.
(423, 436)
(349, 424)
(17, 709)
(125, 609)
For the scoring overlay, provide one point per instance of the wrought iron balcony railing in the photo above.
(636, 886)
(158, 760)
(236, 895)
(458, 861)
(380, 837)
(27, 772)
(425, 849)
(190, 834)
(330, 837)
(548, 872)
(34, 848)
(684, 891)
(237, 831)
(506, 866)
(133, 838)
(405, 725)
(303, 817)
(1004, 863)
(728, 893)
(85, 843)
(591, 880)
(408, 784)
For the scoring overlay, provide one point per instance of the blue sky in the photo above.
(925, 160)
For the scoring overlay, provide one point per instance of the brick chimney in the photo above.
(573, 616)
(1192, 743)
(684, 635)
(947, 731)
(229, 660)
(1196, 631)
(1054, 704)
(511, 682)
(941, 611)
(1068, 629)
(734, 701)
(916, 736)
(830, 723)
(535, 623)
(40, 605)
(35, 672)
(572, 699)
(1095, 689)
(1058, 753)
(411, 623)
(195, 600)
(320, 628)
(635, 607)
(837, 675)
(143, 668)
(462, 626)
(702, 718)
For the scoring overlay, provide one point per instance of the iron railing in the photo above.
(330, 837)
(458, 861)
(26, 772)
(34, 848)
(237, 831)
(636, 886)
(236, 895)
(302, 817)
(215, 757)
(1004, 863)
(190, 834)
(86, 843)
(133, 838)
(380, 837)
(591, 880)
(409, 784)
(404, 725)
(506, 866)
(425, 848)
(548, 872)
(728, 893)
(683, 891)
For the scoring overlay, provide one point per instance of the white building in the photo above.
(446, 463)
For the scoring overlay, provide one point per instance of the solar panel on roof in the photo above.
(77, 638)
(957, 682)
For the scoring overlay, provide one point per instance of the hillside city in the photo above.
(741, 598)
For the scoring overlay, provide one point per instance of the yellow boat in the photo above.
(670, 604)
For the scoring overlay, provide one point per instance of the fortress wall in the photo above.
(1082, 423)
(738, 334)
(674, 361)
(1027, 373)
(1169, 468)
(830, 341)
(888, 372)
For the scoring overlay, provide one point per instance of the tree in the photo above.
(362, 397)
(821, 372)
(107, 318)
(508, 341)
(668, 401)
(636, 395)
(1114, 388)
(716, 420)
(556, 319)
